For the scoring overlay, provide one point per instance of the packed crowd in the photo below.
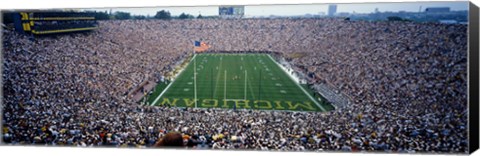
(407, 82)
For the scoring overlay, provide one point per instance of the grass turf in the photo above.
(267, 86)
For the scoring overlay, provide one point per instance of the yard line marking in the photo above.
(311, 98)
(164, 91)
(250, 85)
(218, 77)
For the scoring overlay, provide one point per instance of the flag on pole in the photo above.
(201, 46)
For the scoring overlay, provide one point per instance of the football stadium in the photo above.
(222, 81)
(392, 82)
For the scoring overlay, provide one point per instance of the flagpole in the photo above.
(195, 77)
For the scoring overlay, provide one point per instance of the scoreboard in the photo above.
(231, 11)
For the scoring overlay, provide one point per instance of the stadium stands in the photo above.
(407, 82)
(43, 22)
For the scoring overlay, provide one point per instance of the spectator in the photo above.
(172, 139)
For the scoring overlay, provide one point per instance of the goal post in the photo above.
(225, 86)
(245, 92)
(244, 89)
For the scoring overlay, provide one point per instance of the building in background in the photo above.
(332, 9)
(231, 11)
(437, 9)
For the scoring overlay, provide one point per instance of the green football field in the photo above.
(241, 81)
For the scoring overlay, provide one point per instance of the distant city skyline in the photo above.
(297, 10)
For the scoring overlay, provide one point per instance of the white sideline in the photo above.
(304, 91)
(163, 92)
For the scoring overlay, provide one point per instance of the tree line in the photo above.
(162, 14)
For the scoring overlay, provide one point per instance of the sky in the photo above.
(294, 10)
